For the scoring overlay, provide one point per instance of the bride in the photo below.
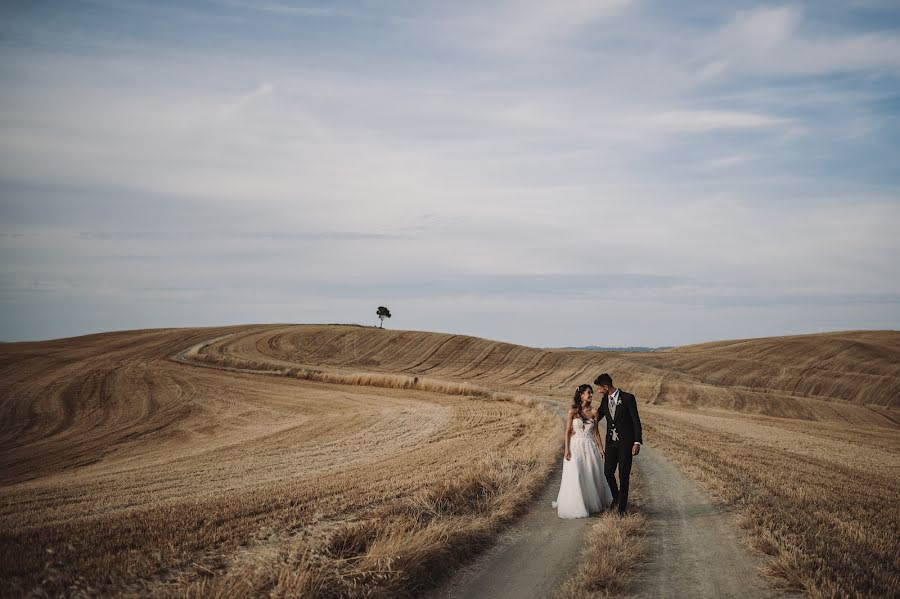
(583, 489)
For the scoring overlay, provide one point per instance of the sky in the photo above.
(606, 172)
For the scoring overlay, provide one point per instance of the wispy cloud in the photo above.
(238, 104)
(661, 174)
(783, 40)
(527, 26)
(288, 9)
(709, 120)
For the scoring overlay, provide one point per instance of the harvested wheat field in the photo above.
(345, 460)
(821, 498)
(853, 376)
(800, 434)
(125, 472)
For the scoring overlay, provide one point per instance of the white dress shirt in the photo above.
(614, 399)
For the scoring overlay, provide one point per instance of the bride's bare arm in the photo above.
(569, 417)
(595, 414)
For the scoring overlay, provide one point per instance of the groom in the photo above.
(623, 436)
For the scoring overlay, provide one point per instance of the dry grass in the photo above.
(821, 499)
(614, 551)
(397, 549)
(126, 473)
(366, 379)
(840, 377)
(374, 459)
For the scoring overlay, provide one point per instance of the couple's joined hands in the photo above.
(602, 453)
(635, 449)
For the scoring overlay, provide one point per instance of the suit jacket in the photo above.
(627, 421)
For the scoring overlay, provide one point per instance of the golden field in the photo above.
(350, 460)
(125, 472)
(821, 498)
(853, 376)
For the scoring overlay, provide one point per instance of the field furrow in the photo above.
(134, 473)
(328, 460)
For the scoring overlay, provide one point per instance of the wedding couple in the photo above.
(585, 487)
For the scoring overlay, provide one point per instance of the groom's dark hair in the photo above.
(603, 379)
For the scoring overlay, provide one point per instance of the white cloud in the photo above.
(524, 25)
(724, 162)
(780, 40)
(282, 9)
(560, 139)
(519, 27)
(709, 120)
(237, 105)
(762, 29)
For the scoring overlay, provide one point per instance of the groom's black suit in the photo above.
(627, 423)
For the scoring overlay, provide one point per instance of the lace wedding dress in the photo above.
(583, 490)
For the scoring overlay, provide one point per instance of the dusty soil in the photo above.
(697, 550)
(532, 560)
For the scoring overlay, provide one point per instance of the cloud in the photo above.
(781, 40)
(709, 120)
(762, 29)
(724, 162)
(264, 90)
(453, 159)
(291, 10)
(526, 25)
(516, 27)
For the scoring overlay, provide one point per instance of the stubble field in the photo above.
(822, 499)
(124, 472)
(350, 460)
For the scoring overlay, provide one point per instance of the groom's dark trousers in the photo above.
(618, 455)
(627, 427)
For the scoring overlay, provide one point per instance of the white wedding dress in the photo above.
(583, 490)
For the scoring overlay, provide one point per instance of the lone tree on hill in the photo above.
(382, 314)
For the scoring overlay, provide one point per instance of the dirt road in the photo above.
(695, 549)
(533, 559)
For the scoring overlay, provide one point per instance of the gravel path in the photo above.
(695, 549)
(532, 560)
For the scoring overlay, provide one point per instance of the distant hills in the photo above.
(636, 349)
(847, 376)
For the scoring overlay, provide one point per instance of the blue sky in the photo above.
(613, 172)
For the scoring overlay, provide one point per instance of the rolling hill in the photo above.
(850, 376)
(296, 459)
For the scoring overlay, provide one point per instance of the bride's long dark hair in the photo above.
(576, 401)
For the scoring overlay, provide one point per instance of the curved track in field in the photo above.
(109, 445)
(852, 377)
